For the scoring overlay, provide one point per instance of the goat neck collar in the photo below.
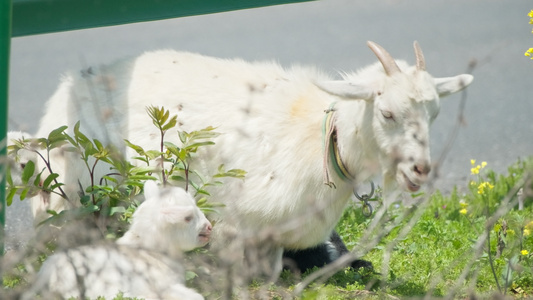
(331, 149)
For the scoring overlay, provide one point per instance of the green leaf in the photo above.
(153, 154)
(98, 145)
(117, 209)
(182, 155)
(170, 145)
(177, 178)
(85, 199)
(77, 128)
(235, 173)
(24, 193)
(111, 179)
(71, 149)
(10, 195)
(202, 201)
(163, 116)
(171, 124)
(137, 184)
(137, 148)
(194, 185)
(55, 186)
(49, 179)
(200, 144)
(189, 275)
(203, 192)
(27, 173)
(52, 212)
(37, 180)
(174, 150)
(144, 169)
(183, 135)
(141, 158)
(206, 133)
(57, 134)
(142, 177)
(70, 139)
(9, 179)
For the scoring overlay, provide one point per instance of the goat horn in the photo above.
(420, 61)
(385, 58)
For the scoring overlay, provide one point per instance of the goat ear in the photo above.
(449, 85)
(346, 89)
(176, 214)
(151, 190)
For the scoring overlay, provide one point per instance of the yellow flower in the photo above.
(527, 232)
(483, 187)
(529, 51)
(463, 211)
(475, 170)
(529, 225)
(530, 14)
(524, 252)
(510, 232)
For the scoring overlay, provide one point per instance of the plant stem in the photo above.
(162, 157)
(186, 176)
(491, 262)
(91, 173)
(507, 277)
(49, 167)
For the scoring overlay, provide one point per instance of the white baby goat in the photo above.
(305, 139)
(145, 262)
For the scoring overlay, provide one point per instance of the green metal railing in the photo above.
(5, 46)
(27, 17)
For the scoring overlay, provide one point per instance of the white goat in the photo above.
(144, 264)
(272, 122)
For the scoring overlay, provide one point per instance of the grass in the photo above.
(445, 253)
(442, 245)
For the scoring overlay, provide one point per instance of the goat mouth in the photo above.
(204, 237)
(411, 186)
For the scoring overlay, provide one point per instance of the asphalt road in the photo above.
(331, 35)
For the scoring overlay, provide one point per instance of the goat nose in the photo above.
(422, 169)
(208, 228)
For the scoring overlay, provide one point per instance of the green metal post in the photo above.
(5, 44)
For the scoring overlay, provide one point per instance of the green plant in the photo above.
(472, 241)
(111, 199)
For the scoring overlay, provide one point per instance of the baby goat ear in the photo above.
(175, 214)
(151, 190)
(449, 85)
(346, 89)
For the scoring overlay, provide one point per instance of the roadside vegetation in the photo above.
(478, 242)
(474, 242)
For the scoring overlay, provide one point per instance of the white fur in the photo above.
(271, 124)
(145, 264)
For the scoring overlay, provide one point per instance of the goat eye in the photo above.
(188, 218)
(387, 115)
